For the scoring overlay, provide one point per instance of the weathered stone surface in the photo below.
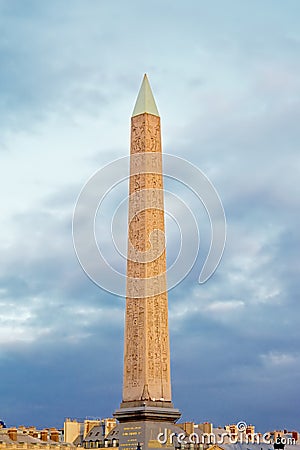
(147, 353)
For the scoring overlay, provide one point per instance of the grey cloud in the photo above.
(235, 339)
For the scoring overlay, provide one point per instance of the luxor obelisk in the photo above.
(147, 404)
(146, 352)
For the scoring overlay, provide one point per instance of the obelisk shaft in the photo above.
(146, 352)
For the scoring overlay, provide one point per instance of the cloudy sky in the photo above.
(226, 80)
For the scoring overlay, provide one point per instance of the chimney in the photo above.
(31, 431)
(44, 435)
(54, 434)
(12, 433)
(295, 435)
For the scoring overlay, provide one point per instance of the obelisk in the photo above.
(146, 407)
(146, 349)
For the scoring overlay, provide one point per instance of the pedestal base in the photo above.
(147, 411)
(146, 425)
(145, 435)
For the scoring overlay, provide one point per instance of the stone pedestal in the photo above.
(146, 425)
(148, 411)
(144, 435)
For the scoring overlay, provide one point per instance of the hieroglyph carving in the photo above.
(147, 352)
